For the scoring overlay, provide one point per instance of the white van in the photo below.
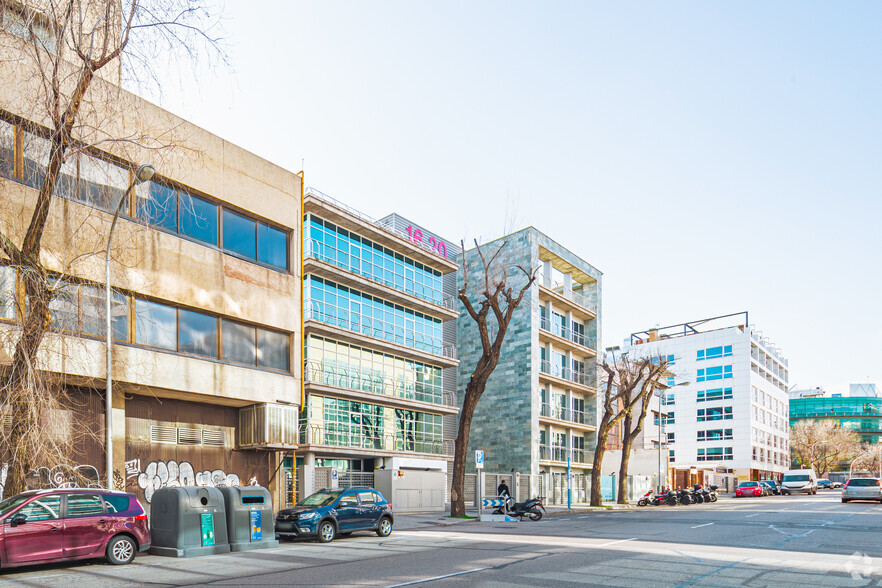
(799, 481)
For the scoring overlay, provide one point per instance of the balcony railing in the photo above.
(567, 333)
(320, 435)
(568, 414)
(324, 252)
(368, 381)
(558, 371)
(554, 453)
(576, 298)
(377, 328)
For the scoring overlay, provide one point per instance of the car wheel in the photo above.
(384, 527)
(844, 500)
(121, 550)
(326, 532)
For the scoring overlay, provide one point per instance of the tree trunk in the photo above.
(627, 443)
(602, 438)
(473, 392)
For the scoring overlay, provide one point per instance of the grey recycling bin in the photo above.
(186, 522)
(249, 517)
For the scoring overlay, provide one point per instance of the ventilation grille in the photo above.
(214, 438)
(163, 434)
(189, 436)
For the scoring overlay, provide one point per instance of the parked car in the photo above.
(803, 480)
(771, 487)
(835, 484)
(48, 526)
(329, 513)
(862, 489)
(824, 484)
(749, 489)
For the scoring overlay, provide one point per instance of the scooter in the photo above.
(646, 499)
(711, 493)
(529, 508)
(685, 496)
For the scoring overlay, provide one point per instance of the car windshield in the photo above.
(11, 503)
(863, 482)
(796, 478)
(747, 484)
(319, 499)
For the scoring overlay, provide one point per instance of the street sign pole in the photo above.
(569, 484)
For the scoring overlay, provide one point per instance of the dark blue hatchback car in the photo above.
(329, 513)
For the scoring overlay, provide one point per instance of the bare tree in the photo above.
(63, 62)
(498, 297)
(627, 385)
(632, 424)
(823, 445)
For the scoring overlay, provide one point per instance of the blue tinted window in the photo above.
(198, 218)
(239, 343)
(155, 325)
(239, 234)
(197, 333)
(158, 206)
(272, 246)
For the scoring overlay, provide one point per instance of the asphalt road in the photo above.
(773, 541)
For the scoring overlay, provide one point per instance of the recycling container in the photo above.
(249, 517)
(187, 522)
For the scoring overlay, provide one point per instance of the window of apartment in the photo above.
(158, 205)
(714, 394)
(79, 308)
(417, 431)
(715, 435)
(714, 453)
(349, 423)
(671, 456)
(671, 437)
(197, 218)
(714, 352)
(667, 399)
(7, 149)
(671, 381)
(714, 414)
(156, 325)
(197, 333)
(714, 373)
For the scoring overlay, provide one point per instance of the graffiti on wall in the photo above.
(171, 474)
(60, 476)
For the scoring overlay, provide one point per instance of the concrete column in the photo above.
(118, 422)
(568, 284)
(546, 274)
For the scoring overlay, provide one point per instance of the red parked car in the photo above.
(749, 489)
(47, 526)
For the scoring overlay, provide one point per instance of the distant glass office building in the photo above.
(861, 414)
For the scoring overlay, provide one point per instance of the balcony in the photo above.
(374, 442)
(569, 415)
(581, 306)
(417, 296)
(559, 454)
(398, 339)
(580, 340)
(566, 375)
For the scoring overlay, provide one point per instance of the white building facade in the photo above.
(729, 410)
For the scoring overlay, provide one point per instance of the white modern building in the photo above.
(729, 410)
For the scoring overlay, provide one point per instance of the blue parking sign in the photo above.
(479, 459)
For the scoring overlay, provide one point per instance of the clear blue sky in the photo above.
(707, 157)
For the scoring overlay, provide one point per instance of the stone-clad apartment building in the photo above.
(540, 405)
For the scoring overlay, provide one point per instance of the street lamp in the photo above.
(661, 393)
(144, 173)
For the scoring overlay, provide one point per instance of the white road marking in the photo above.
(437, 578)
(585, 517)
(753, 515)
(704, 525)
(614, 542)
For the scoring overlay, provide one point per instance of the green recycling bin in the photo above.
(188, 522)
(249, 517)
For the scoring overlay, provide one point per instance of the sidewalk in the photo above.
(428, 519)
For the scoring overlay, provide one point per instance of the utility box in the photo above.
(188, 522)
(249, 517)
(412, 490)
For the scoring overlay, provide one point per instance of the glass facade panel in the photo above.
(64, 306)
(240, 235)
(350, 309)
(352, 424)
(239, 343)
(7, 150)
(155, 325)
(92, 305)
(102, 184)
(158, 205)
(197, 218)
(35, 151)
(272, 246)
(197, 333)
(272, 349)
(417, 431)
(340, 247)
(7, 292)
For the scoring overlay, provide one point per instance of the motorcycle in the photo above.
(712, 493)
(684, 496)
(697, 494)
(529, 508)
(646, 499)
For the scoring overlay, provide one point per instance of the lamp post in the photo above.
(144, 173)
